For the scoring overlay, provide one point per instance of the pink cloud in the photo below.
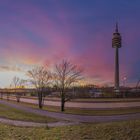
(58, 44)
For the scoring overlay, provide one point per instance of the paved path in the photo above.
(84, 105)
(35, 124)
(74, 118)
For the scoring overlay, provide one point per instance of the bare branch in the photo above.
(65, 75)
(40, 79)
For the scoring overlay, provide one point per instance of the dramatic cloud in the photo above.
(8, 68)
(34, 32)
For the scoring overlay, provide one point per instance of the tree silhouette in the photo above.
(65, 75)
(40, 78)
(17, 84)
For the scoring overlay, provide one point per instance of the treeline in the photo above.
(64, 75)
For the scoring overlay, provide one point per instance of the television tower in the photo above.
(116, 44)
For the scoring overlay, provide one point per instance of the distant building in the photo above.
(95, 92)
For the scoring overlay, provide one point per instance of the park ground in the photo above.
(124, 130)
(116, 130)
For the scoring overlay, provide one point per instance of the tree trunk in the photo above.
(62, 102)
(40, 100)
(7, 97)
(18, 99)
(18, 96)
(62, 106)
(40, 104)
(1, 95)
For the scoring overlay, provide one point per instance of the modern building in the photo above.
(116, 44)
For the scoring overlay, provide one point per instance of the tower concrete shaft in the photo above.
(116, 86)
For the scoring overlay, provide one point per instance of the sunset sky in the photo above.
(35, 32)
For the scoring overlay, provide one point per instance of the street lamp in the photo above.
(124, 90)
(124, 81)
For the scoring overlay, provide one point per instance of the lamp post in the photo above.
(124, 81)
(124, 89)
(116, 44)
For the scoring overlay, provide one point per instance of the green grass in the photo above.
(108, 99)
(91, 99)
(126, 130)
(103, 112)
(15, 114)
(92, 112)
(79, 111)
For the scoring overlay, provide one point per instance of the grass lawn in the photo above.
(126, 130)
(91, 99)
(107, 99)
(85, 111)
(15, 114)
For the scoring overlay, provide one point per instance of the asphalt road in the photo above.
(84, 105)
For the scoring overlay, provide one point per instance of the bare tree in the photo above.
(8, 93)
(40, 78)
(1, 95)
(17, 84)
(65, 75)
